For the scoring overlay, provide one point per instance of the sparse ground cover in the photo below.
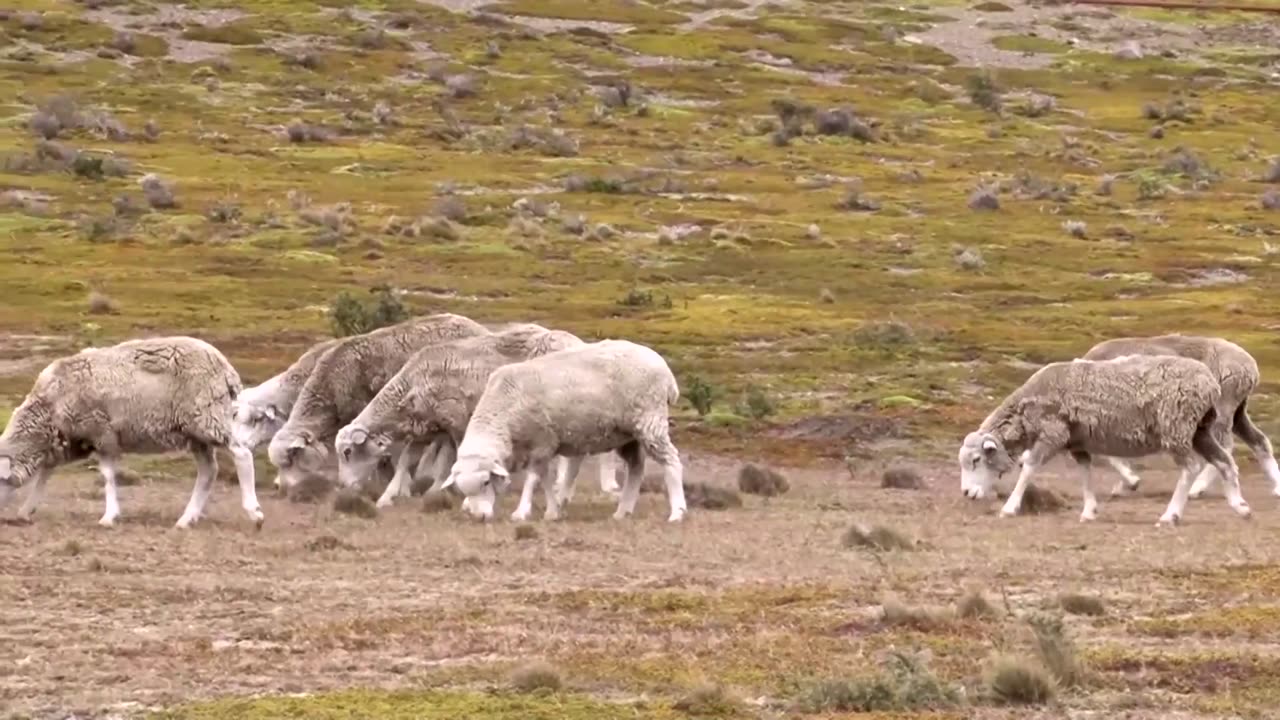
(846, 239)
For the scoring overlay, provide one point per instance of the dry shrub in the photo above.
(1041, 501)
(1272, 175)
(905, 685)
(1056, 650)
(536, 676)
(708, 701)
(763, 481)
(1077, 604)
(327, 543)
(902, 478)
(101, 304)
(350, 501)
(710, 497)
(877, 537)
(436, 501)
(975, 606)
(127, 478)
(984, 198)
(970, 259)
(301, 132)
(896, 613)
(311, 488)
(1019, 680)
(526, 532)
(158, 192)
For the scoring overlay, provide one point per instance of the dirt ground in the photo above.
(98, 622)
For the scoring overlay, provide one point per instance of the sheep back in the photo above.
(1236, 370)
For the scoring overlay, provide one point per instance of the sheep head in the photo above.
(983, 460)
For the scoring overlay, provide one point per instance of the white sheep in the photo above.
(432, 397)
(611, 395)
(141, 396)
(344, 380)
(262, 410)
(1128, 406)
(1237, 373)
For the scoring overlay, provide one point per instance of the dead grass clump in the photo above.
(708, 701)
(836, 121)
(894, 612)
(536, 677)
(309, 489)
(876, 537)
(1037, 105)
(461, 86)
(439, 229)
(354, 502)
(1077, 604)
(525, 532)
(436, 501)
(1018, 680)
(1270, 200)
(451, 208)
(326, 543)
(854, 200)
(1272, 175)
(301, 132)
(1186, 163)
(127, 478)
(710, 497)
(969, 258)
(975, 606)
(1040, 501)
(762, 481)
(1056, 650)
(905, 685)
(1076, 228)
(984, 198)
(72, 548)
(158, 192)
(902, 478)
(101, 304)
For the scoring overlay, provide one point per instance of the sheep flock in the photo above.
(469, 406)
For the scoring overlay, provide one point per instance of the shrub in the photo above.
(1056, 650)
(348, 316)
(525, 532)
(758, 404)
(1076, 228)
(975, 605)
(905, 685)
(876, 537)
(1272, 175)
(762, 481)
(437, 501)
(710, 497)
(708, 701)
(536, 676)
(1077, 604)
(701, 395)
(970, 259)
(902, 478)
(984, 91)
(984, 198)
(158, 192)
(1018, 680)
(918, 617)
(349, 501)
(1270, 200)
(100, 304)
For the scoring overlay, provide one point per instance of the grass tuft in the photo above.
(708, 701)
(905, 685)
(1018, 680)
(975, 606)
(711, 497)
(902, 478)
(525, 532)
(535, 677)
(1056, 650)
(877, 537)
(437, 501)
(763, 481)
(350, 501)
(1077, 604)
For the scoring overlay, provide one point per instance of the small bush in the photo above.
(1272, 175)
(525, 532)
(1077, 604)
(708, 701)
(905, 685)
(876, 537)
(353, 502)
(1041, 501)
(327, 543)
(348, 316)
(1076, 228)
(100, 304)
(758, 404)
(1018, 680)
(1056, 650)
(762, 481)
(710, 497)
(970, 259)
(984, 91)
(636, 298)
(975, 605)
(301, 132)
(451, 208)
(984, 198)
(701, 395)
(158, 192)
(836, 121)
(896, 613)
(461, 86)
(536, 676)
(436, 501)
(902, 478)
(1270, 200)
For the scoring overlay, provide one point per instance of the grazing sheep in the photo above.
(433, 396)
(1128, 406)
(262, 410)
(1237, 373)
(344, 380)
(141, 396)
(611, 395)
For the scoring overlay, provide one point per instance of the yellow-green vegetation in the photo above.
(845, 239)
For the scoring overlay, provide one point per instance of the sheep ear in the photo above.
(989, 446)
(6, 468)
(499, 471)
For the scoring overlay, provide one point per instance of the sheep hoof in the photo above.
(107, 521)
(185, 523)
(621, 515)
(1088, 517)
(1168, 520)
(1007, 513)
(520, 516)
(384, 502)
(1243, 510)
(676, 517)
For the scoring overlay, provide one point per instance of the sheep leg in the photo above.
(1221, 433)
(1220, 459)
(243, 459)
(666, 454)
(34, 497)
(430, 455)
(107, 468)
(566, 476)
(206, 471)
(401, 478)
(1084, 462)
(531, 480)
(1014, 502)
(1129, 480)
(445, 456)
(1259, 443)
(1190, 465)
(635, 476)
(608, 470)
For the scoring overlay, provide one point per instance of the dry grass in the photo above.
(536, 677)
(438, 501)
(1077, 604)
(706, 496)
(876, 537)
(895, 613)
(1019, 680)
(902, 478)
(975, 605)
(762, 481)
(354, 502)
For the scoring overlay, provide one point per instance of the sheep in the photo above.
(434, 394)
(261, 410)
(1237, 373)
(344, 380)
(611, 395)
(1129, 406)
(141, 396)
